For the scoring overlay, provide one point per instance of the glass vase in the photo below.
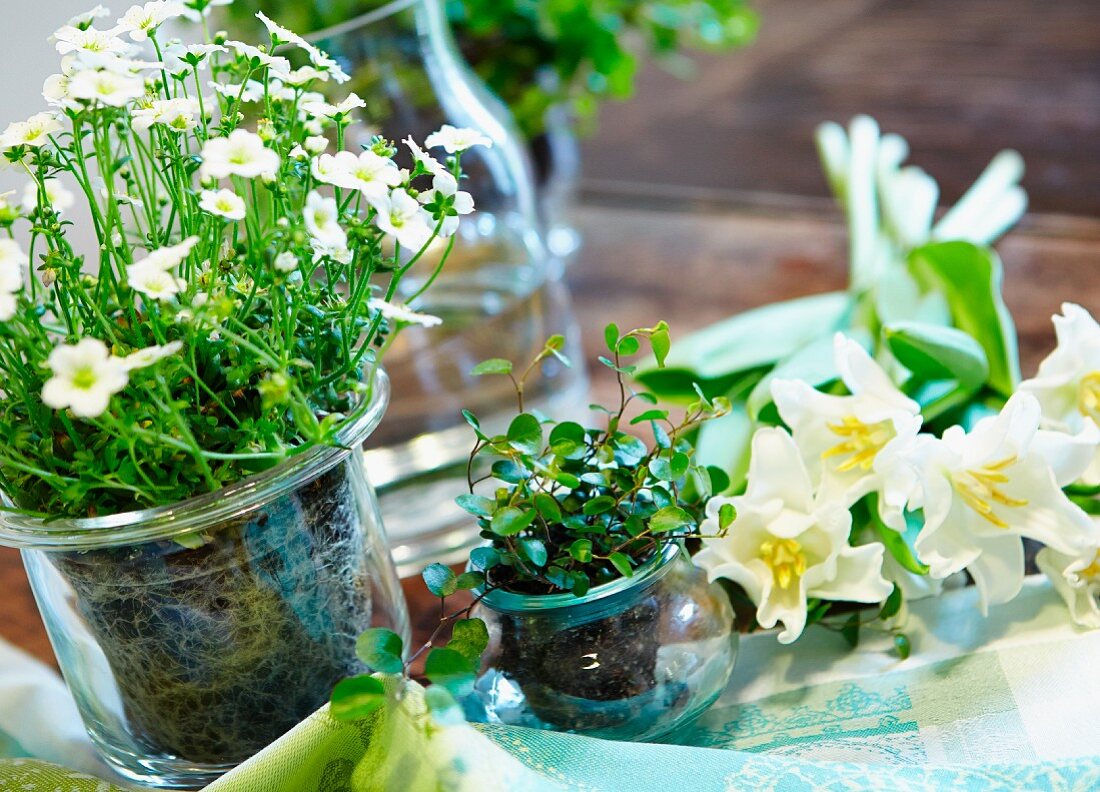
(499, 294)
(631, 660)
(556, 155)
(193, 635)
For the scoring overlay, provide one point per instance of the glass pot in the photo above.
(499, 295)
(631, 660)
(195, 634)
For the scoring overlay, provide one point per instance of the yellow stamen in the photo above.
(979, 489)
(1092, 570)
(862, 442)
(1088, 396)
(786, 559)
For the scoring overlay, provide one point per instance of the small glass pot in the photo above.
(193, 635)
(631, 660)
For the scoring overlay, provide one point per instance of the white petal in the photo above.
(999, 570)
(776, 471)
(858, 576)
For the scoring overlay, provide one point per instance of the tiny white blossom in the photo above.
(446, 186)
(332, 111)
(34, 132)
(195, 15)
(85, 376)
(241, 154)
(402, 313)
(224, 203)
(316, 144)
(276, 63)
(143, 20)
(322, 217)
(253, 91)
(106, 87)
(338, 253)
(12, 262)
(73, 40)
(149, 356)
(55, 90)
(286, 262)
(58, 197)
(304, 76)
(455, 139)
(369, 173)
(179, 115)
(88, 17)
(405, 220)
(154, 282)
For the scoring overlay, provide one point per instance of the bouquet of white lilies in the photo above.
(245, 280)
(882, 441)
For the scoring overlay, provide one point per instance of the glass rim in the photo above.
(361, 21)
(157, 523)
(647, 574)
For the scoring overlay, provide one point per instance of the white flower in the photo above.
(241, 154)
(298, 153)
(84, 41)
(455, 139)
(369, 173)
(85, 376)
(253, 91)
(321, 109)
(280, 33)
(322, 218)
(12, 262)
(852, 444)
(106, 87)
(149, 356)
(786, 546)
(316, 144)
(286, 262)
(179, 115)
(1068, 382)
(430, 163)
(982, 491)
(88, 17)
(445, 186)
(304, 76)
(224, 203)
(153, 282)
(276, 63)
(170, 257)
(35, 131)
(58, 197)
(55, 90)
(1076, 578)
(195, 15)
(405, 220)
(142, 21)
(338, 253)
(403, 314)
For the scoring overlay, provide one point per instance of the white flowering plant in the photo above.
(247, 274)
(881, 441)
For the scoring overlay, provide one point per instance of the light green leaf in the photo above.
(469, 637)
(525, 434)
(510, 521)
(938, 353)
(356, 698)
(492, 366)
(670, 518)
(380, 649)
(440, 580)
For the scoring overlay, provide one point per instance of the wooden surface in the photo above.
(640, 265)
(960, 79)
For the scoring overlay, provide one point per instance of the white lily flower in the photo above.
(58, 197)
(853, 445)
(150, 356)
(402, 217)
(1068, 382)
(402, 313)
(981, 491)
(105, 86)
(370, 174)
(143, 20)
(223, 203)
(241, 154)
(33, 132)
(456, 139)
(785, 545)
(1076, 578)
(322, 219)
(12, 262)
(85, 376)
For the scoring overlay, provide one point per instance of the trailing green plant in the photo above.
(567, 52)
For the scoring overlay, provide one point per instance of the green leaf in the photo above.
(611, 337)
(484, 558)
(649, 415)
(621, 562)
(471, 419)
(534, 550)
(938, 353)
(468, 581)
(850, 630)
(581, 550)
(510, 521)
(726, 515)
(567, 440)
(661, 468)
(599, 505)
(356, 698)
(476, 505)
(679, 464)
(525, 434)
(717, 357)
(492, 366)
(451, 669)
(469, 637)
(661, 343)
(970, 278)
(892, 605)
(725, 443)
(440, 580)
(629, 346)
(894, 541)
(902, 646)
(548, 507)
(670, 518)
(380, 649)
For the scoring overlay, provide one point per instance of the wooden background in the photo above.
(705, 198)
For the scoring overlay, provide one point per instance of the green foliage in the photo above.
(356, 698)
(578, 506)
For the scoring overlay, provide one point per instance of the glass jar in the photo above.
(631, 660)
(499, 295)
(193, 635)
